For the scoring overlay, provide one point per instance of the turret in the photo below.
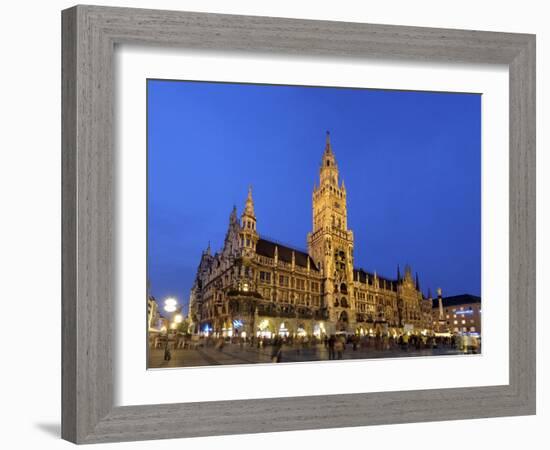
(249, 235)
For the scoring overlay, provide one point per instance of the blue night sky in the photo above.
(411, 162)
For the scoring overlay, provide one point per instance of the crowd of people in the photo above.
(337, 344)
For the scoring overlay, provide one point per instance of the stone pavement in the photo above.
(232, 354)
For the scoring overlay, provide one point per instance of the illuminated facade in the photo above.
(459, 314)
(258, 287)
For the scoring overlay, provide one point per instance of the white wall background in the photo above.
(30, 237)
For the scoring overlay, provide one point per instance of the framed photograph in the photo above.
(278, 224)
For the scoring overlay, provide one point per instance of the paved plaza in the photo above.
(232, 354)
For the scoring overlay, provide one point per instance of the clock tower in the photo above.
(330, 244)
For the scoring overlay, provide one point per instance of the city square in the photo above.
(232, 353)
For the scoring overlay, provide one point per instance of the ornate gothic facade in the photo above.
(259, 287)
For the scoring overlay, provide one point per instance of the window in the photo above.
(265, 277)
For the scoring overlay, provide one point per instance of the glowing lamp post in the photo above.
(170, 306)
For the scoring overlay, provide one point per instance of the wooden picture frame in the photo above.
(90, 34)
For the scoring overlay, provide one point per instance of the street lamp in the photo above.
(170, 306)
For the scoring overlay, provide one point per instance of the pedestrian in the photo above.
(406, 341)
(339, 347)
(331, 344)
(325, 339)
(167, 354)
(276, 350)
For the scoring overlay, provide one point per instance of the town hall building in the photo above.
(258, 287)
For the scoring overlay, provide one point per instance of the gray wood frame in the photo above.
(88, 198)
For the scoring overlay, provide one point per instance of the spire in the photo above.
(329, 169)
(430, 293)
(328, 146)
(208, 250)
(417, 283)
(408, 272)
(440, 303)
(249, 207)
(233, 215)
